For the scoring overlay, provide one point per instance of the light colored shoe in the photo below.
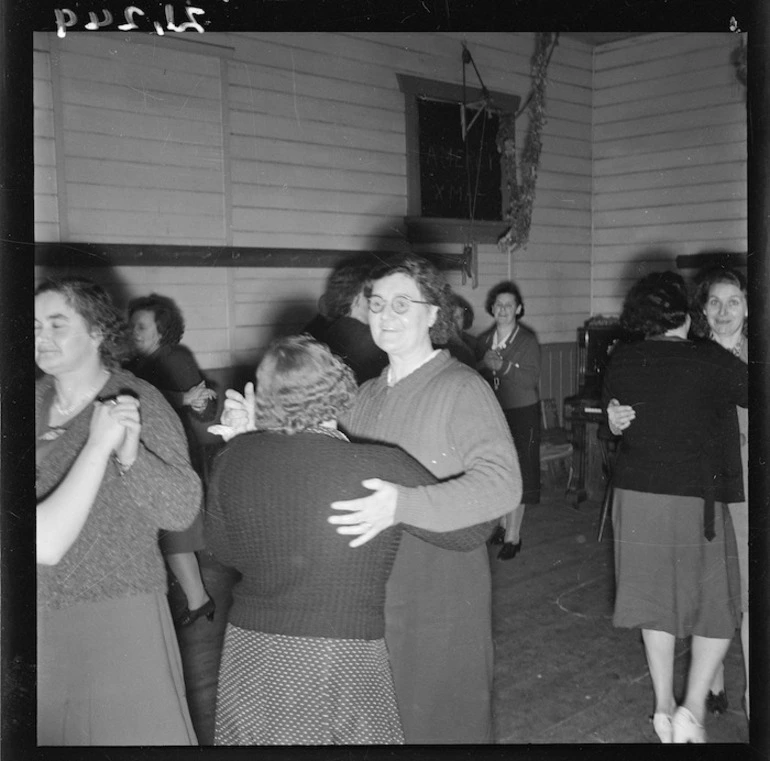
(661, 723)
(686, 728)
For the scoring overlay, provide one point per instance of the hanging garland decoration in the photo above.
(522, 194)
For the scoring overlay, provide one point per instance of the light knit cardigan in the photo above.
(445, 415)
(116, 553)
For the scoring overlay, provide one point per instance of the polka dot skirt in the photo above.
(280, 690)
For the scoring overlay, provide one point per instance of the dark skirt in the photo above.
(438, 628)
(280, 690)
(191, 539)
(524, 423)
(110, 673)
(668, 577)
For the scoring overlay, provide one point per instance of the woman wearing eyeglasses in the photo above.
(508, 357)
(438, 609)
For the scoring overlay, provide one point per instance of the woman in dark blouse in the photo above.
(157, 328)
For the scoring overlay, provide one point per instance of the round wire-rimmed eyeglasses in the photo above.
(400, 304)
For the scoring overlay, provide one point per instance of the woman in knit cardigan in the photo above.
(108, 665)
(304, 659)
(508, 357)
(438, 613)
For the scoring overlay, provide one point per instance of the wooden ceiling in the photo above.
(601, 38)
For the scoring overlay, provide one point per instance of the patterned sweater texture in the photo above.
(116, 553)
(268, 503)
(445, 415)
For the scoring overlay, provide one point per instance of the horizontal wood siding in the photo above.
(291, 140)
(45, 179)
(669, 162)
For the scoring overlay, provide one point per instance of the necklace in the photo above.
(65, 411)
(737, 348)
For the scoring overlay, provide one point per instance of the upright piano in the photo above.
(583, 412)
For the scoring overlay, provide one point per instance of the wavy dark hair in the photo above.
(430, 282)
(704, 280)
(464, 304)
(95, 306)
(506, 286)
(345, 283)
(656, 304)
(301, 384)
(168, 316)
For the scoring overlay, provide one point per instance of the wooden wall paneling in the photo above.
(669, 157)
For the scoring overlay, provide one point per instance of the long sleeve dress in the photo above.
(173, 371)
(675, 556)
(109, 670)
(304, 660)
(438, 603)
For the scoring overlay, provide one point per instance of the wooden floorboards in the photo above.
(563, 673)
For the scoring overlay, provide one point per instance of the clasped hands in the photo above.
(116, 425)
(364, 517)
(619, 416)
(493, 360)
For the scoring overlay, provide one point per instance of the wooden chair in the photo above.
(555, 446)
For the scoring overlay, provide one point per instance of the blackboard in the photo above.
(444, 178)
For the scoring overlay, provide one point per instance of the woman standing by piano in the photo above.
(508, 356)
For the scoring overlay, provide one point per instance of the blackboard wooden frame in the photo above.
(435, 229)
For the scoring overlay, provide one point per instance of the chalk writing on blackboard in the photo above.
(134, 18)
(459, 178)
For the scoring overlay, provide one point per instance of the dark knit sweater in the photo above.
(268, 503)
(445, 415)
(681, 392)
(116, 553)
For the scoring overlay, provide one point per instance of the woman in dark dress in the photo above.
(676, 569)
(304, 659)
(157, 328)
(508, 357)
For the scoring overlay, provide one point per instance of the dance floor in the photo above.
(563, 673)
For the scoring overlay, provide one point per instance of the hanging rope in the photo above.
(469, 261)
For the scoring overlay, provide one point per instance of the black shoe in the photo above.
(189, 617)
(716, 704)
(509, 550)
(498, 535)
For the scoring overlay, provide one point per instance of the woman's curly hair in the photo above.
(430, 282)
(656, 304)
(301, 384)
(168, 316)
(95, 306)
(506, 286)
(704, 280)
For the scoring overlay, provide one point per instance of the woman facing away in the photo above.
(675, 564)
(304, 659)
(508, 357)
(720, 312)
(438, 625)
(157, 327)
(109, 671)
